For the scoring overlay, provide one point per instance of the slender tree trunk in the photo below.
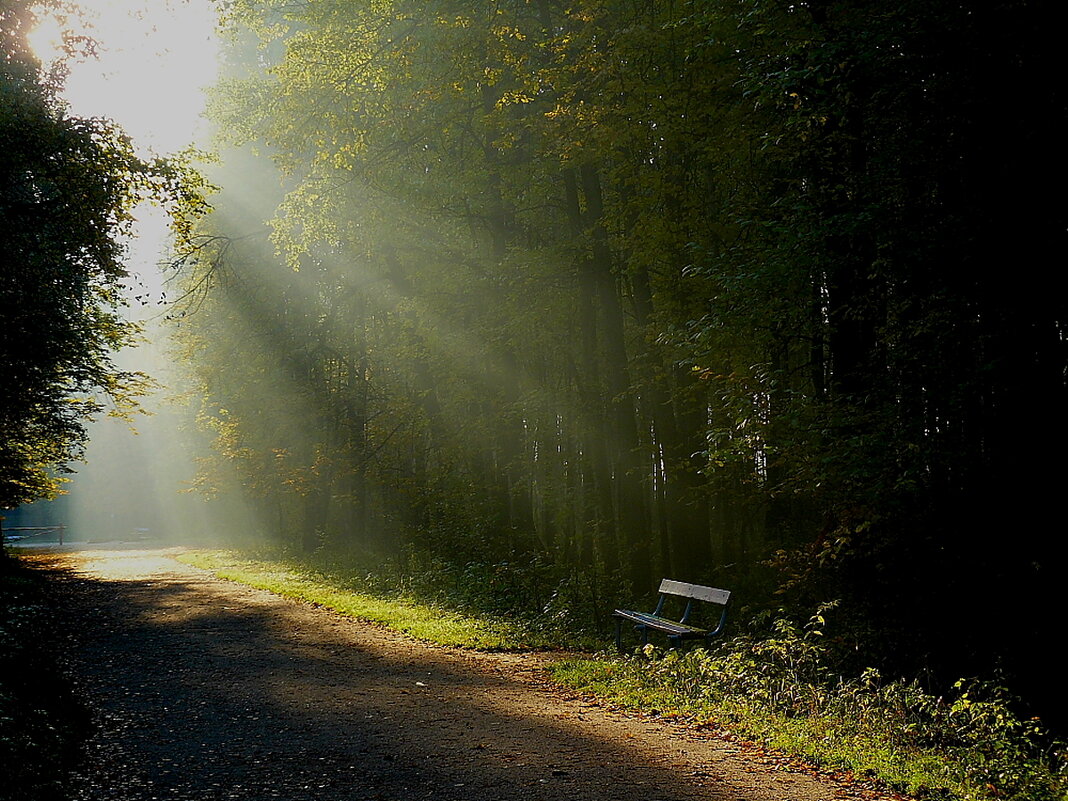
(632, 522)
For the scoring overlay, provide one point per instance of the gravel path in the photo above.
(205, 689)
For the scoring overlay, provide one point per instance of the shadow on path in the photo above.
(206, 690)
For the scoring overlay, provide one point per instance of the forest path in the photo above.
(206, 689)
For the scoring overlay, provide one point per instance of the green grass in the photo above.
(423, 621)
(821, 740)
(775, 689)
(884, 733)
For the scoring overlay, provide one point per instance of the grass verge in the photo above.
(825, 740)
(424, 621)
(776, 688)
(967, 747)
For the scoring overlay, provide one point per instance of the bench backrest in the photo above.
(710, 594)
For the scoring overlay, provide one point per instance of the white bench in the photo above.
(679, 630)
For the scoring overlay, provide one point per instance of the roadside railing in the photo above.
(18, 533)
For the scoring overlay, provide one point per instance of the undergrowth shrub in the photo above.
(778, 685)
(1016, 756)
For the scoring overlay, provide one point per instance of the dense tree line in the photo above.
(65, 192)
(759, 294)
(67, 189)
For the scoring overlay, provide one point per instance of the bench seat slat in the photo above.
(676, 630)
(661, 624)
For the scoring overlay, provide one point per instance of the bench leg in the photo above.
(619, 635)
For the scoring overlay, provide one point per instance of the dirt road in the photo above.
(205, 689)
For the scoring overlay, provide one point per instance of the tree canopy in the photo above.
(67, 189)
(754, 294)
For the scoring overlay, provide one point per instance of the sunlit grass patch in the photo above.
(774, 692)
(420, 620)
(819, 740)
(858, 745)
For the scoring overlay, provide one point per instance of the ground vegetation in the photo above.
(777, 684)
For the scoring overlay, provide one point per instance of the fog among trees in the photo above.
(569, 297)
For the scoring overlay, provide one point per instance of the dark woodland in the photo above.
(563, 298)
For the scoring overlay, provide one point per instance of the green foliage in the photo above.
(438, 228)
(67, 189)
(779, 687)
(527, 295)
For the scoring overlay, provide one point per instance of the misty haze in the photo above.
(531, 399)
